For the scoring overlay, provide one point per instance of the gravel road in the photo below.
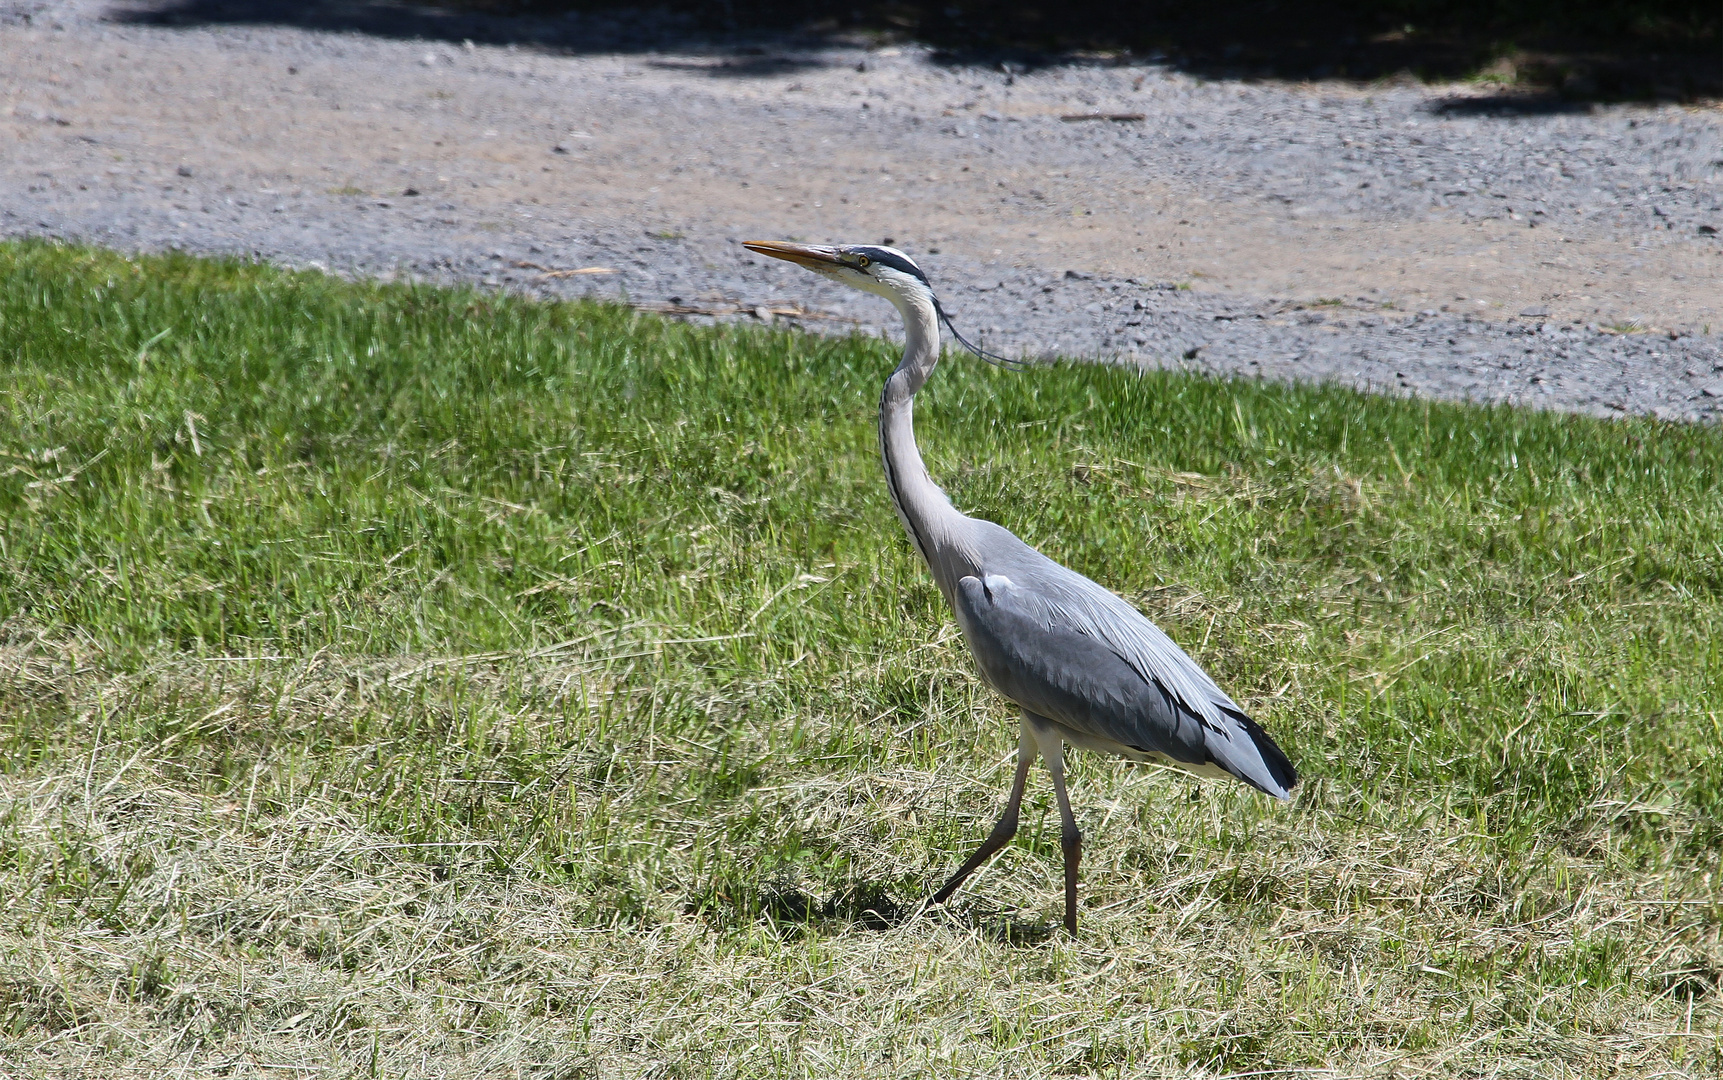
(1413, 239)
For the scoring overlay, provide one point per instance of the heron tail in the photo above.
(1277, 777)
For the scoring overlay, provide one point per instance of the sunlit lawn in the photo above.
(402, 681)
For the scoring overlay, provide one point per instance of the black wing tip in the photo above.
(1280, 769)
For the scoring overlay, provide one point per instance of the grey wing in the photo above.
(1064, 647)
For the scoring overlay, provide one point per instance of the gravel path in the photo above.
(1405, 238)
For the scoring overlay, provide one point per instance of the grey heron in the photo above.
(1085, 667)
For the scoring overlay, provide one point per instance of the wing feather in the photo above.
(1063, 646)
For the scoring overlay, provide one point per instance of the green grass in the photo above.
(402, 681)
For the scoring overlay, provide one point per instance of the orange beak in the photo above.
(812, 256)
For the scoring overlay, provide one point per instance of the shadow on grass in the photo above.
(867, 905)
(1588, 50)
(794, 912)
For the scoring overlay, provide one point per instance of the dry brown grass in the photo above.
(153, 928)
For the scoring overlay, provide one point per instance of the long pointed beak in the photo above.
(811, 256)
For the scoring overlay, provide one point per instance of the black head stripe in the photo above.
(897, 261)
(886, 257)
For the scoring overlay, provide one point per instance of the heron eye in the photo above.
(862, 261)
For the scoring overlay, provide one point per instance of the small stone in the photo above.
(1712, 389)
(1535, 312)
(1708, 230)
(410, 193)
(1079, 275)
(184, 170)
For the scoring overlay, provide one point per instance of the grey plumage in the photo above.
(1085, 667)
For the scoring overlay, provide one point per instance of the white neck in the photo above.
(934, 525)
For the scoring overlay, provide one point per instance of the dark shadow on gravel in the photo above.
(1508, 105)
(742, 67)
(451, 22)
(754, 51)
(1579, 50)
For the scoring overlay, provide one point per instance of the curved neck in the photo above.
(926, 513)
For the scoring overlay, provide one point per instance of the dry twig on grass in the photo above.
(763, 312)
(553, 273)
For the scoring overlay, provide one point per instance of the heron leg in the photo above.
(1006, 827)
(1070, 839)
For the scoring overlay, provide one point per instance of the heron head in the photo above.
(884, 271)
